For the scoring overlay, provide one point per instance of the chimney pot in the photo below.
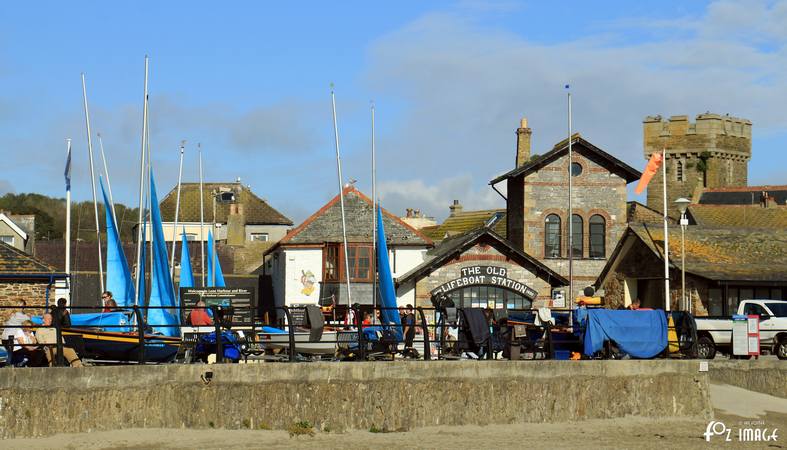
(455, 208)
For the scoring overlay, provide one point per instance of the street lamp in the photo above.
(683, 203)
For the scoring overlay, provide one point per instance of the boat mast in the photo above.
(109, 184)
(141, 185)
(177, 210)
(374, 220)
(68, 215)
(201, 217)
(93, 184)
(341, 198)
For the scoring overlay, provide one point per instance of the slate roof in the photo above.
(743, 195)
(14, 261)
(719, 254)
(325, 225)
(739, 216)
(256, 210)
(586, 149)
(465, 221)
(454, 246)
(636, 212)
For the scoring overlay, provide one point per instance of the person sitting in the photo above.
(27, 352)
(11, 326)
(198, 317)
(109, 303)
(47, 337)
(367, 319)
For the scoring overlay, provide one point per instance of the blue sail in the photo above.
(119, 280)
(214, 279)
(186, 275)
(141, 280)
(387, 291)
(162, 293)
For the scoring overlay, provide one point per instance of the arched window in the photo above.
(597, 232)
(576, 235)
(680, 171)
(552, 236)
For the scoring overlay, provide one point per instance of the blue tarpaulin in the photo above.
(641, 334)
(111, 321)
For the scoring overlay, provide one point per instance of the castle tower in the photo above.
(712, 152)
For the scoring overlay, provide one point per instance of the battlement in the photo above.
(705, 124)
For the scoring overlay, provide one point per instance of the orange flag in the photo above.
(650, 170)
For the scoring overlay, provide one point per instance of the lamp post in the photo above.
(683, 203)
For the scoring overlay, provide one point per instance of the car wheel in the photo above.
(705, 348)
(781, 349)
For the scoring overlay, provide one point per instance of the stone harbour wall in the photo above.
(386, 395)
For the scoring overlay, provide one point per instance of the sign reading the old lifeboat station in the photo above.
(486, 276)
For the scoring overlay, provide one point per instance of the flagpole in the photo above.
(570, 215)
(374, 220)
(666, 232)
(93, 184)
(177, 210)
(68, 214)
(141, 187)
(201, 217)
(341, 198)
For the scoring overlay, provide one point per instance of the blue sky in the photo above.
(450, 81)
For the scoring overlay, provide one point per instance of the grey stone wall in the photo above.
(392, 395)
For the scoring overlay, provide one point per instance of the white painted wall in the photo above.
(406, 258)
(299, 261)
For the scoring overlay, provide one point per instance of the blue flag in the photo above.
(67, 172)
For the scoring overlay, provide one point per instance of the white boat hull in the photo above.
(326, 346)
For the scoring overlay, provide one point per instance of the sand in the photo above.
(734, 406)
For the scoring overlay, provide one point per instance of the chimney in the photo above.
(523, 134)
(455, 209)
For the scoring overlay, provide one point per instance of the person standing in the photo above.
(60, 316)
(408, 324)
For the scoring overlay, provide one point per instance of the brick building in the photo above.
(537, 205)
(23, 277)
(712, 152)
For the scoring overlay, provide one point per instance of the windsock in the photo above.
(650, 170)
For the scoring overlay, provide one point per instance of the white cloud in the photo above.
(466, 85)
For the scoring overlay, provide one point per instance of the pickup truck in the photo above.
(715, 333)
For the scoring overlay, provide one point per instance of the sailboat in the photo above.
(110, 336)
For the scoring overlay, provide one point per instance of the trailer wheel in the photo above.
(705, 348)
(781, 349)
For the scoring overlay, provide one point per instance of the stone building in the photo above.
(723, 267)
(23, 277)
(480, 269)
(712, 152)
(240, 215)
(537, 205)
(307, 266)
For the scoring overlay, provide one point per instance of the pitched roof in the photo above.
(256, 210)
(465, 221)
(578, 144)
(14, 226)
(740, 216)
(719, 254)
(638, 213)
(14, 261)
(742, 195)
(454, 246)
(325, 225)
